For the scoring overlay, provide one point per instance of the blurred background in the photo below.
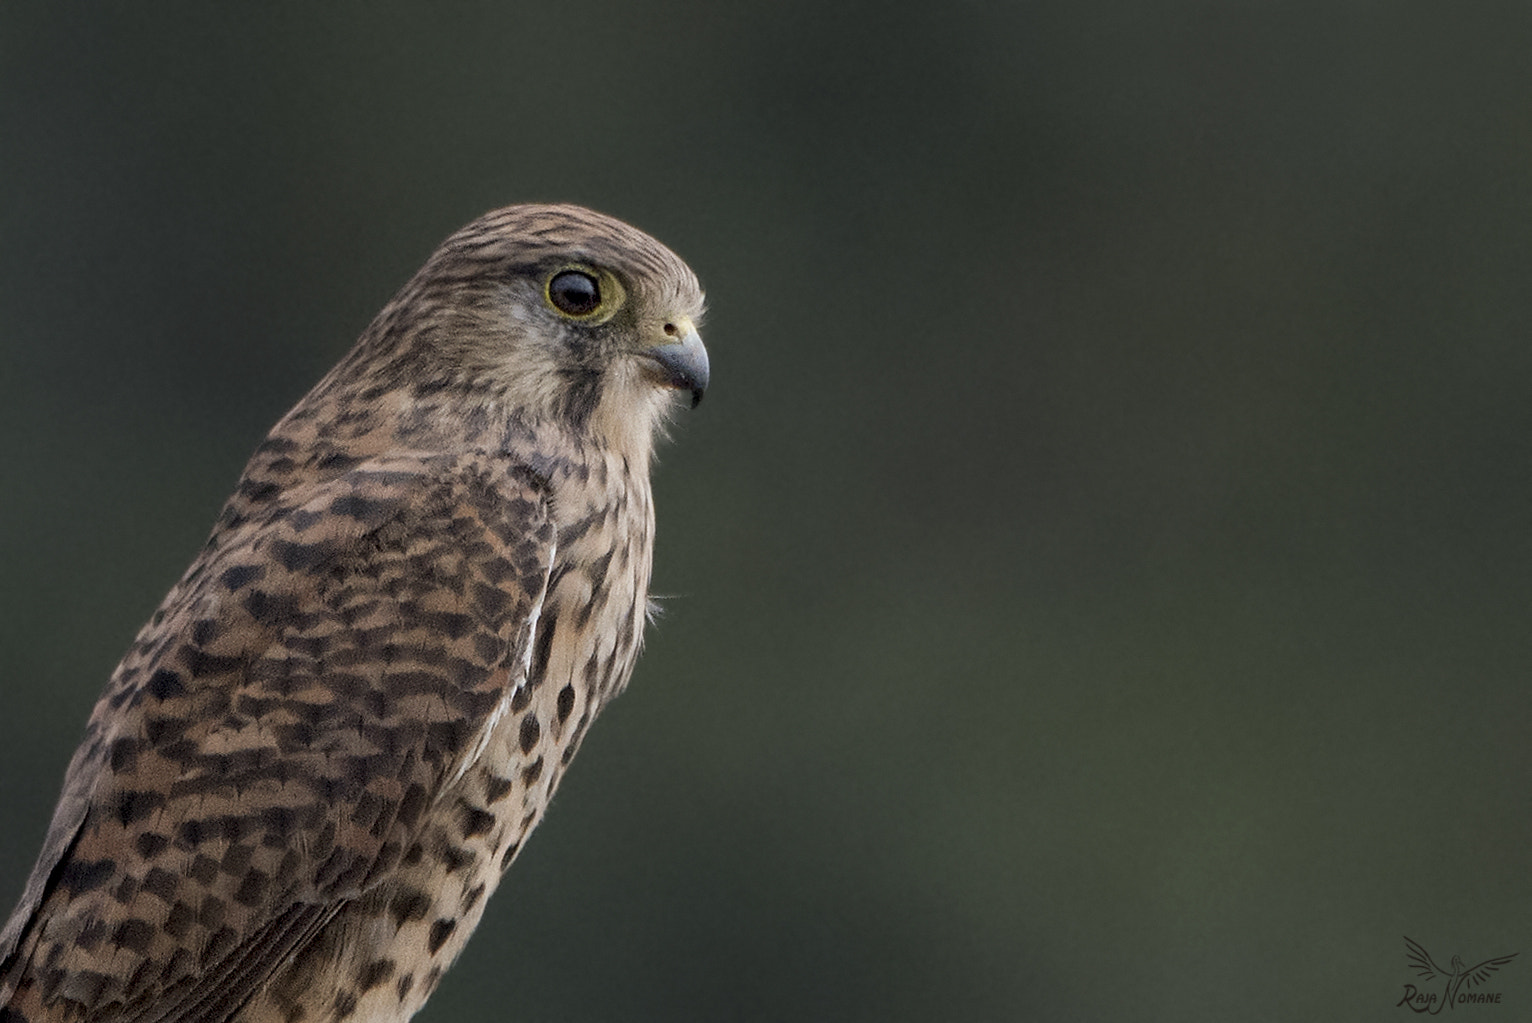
(1098, 578)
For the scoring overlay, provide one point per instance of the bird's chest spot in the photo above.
(596, 617)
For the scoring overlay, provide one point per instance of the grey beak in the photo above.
(685, 362)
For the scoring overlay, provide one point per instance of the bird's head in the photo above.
(549, 314)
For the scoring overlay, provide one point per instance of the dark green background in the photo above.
(1099, 574)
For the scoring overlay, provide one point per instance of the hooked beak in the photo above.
(684, 360)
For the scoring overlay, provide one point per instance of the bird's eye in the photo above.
(574, 293)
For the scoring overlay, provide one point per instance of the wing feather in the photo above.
(1479, 974)
(267, 748)
(1420, 960)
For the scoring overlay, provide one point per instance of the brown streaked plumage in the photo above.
(318, 757)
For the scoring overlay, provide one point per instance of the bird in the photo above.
(1460, 973)
(317, 759)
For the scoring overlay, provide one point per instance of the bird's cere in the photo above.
(685, 360)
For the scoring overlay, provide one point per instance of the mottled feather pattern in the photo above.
(319, 756)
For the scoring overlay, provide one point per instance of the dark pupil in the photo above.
(574, 292)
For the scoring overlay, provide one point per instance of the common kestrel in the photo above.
(316, 760)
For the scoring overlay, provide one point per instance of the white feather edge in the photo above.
(481, 742)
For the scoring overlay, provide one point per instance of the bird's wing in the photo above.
(267, 748)
(1477, 975)
(1420, 961)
